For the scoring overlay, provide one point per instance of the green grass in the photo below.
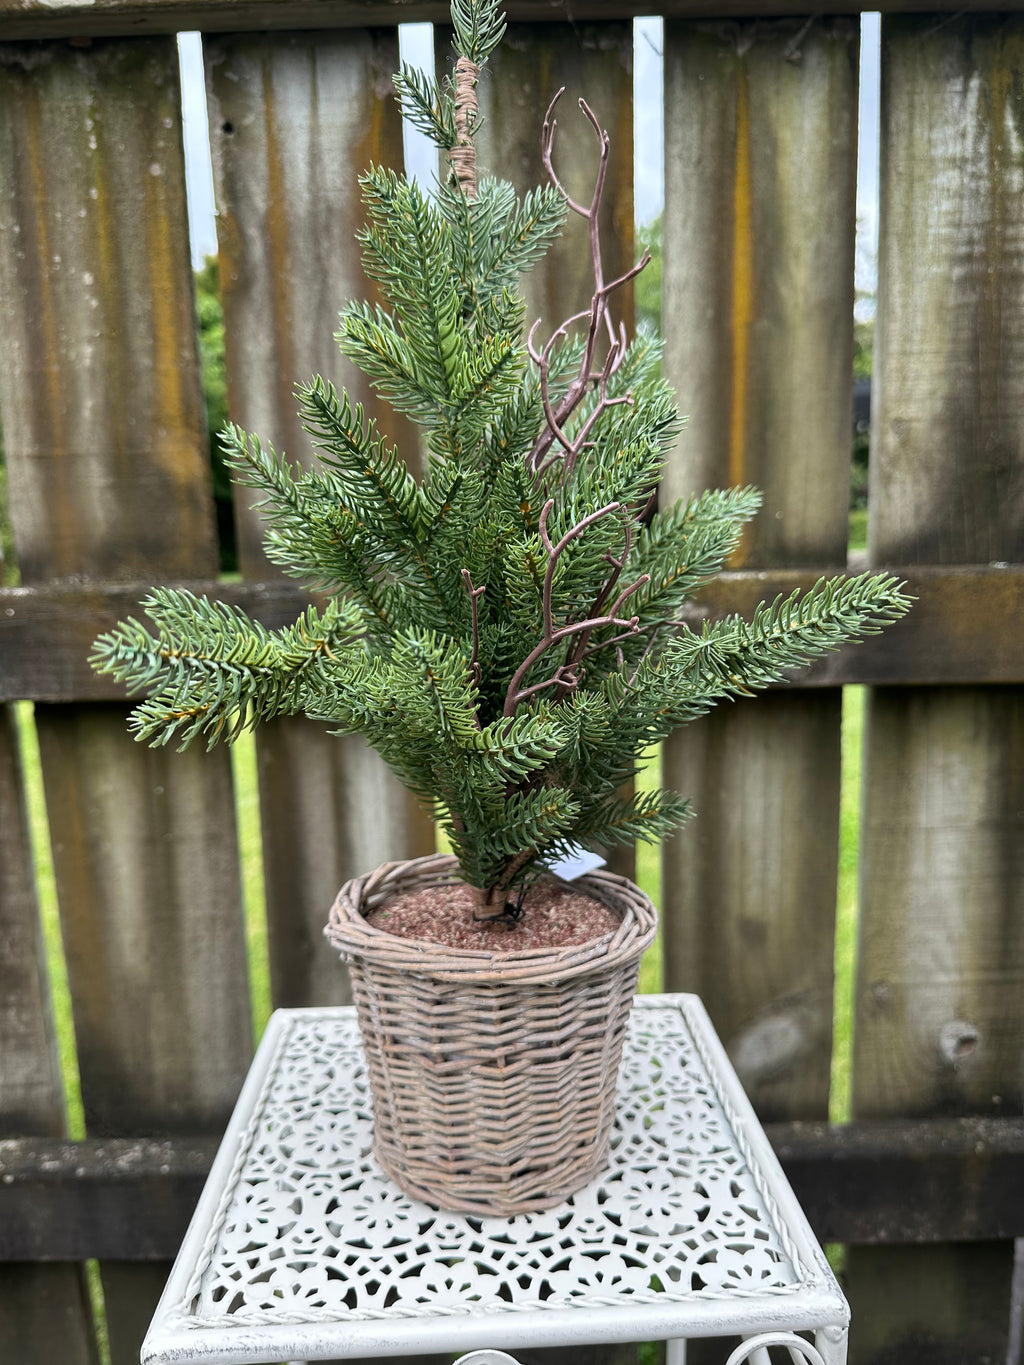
(250, 854)
(847, 903)
(648, 878)
(859, 529)
(46, 894)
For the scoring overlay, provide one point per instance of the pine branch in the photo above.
(426, 108)
(479, 28)
(371, 480)
(213, 670)
(648, 817)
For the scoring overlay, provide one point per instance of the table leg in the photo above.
(675, 1351)
(832, 1342)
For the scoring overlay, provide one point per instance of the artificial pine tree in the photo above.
(507, 633)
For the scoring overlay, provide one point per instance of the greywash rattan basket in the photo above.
(493, 1075)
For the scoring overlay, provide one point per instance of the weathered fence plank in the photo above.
(44, 1310)
(80, 406)
(105, 445)
(295, 119)
(45, 19)
(760, 142)
(940, 1004)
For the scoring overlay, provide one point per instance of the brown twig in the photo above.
(566, 675)
(597, 316)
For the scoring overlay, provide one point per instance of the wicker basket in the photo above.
(493, 1075)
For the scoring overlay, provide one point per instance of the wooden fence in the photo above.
(109, 491)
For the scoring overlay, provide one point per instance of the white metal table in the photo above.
(301, 1249)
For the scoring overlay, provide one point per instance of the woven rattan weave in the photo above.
(493, 1074)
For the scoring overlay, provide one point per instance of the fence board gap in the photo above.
(245, 780)
(53, 942)
(847, 903)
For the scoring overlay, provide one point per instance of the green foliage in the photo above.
(479, 26)
(509, 632)
(427, 108)
(863, 363)
(8, 564)
(863, 348)
(213, 371)
(647, 290)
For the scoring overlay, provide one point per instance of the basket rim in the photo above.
(349, 932)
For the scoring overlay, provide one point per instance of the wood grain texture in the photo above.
(942, 945)
(295, 119)
(103, 417)
(947, 480)
(45, 1315)
(758, 300)
(31, 1091)
(44, 1310)
(750, 890)
(43, 19)
(760, 141)
(145, 856)
(940, 1009)
(105, 448)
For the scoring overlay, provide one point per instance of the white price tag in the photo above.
(575, 863)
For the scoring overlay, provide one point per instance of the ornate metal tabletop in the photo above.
(301, 1248)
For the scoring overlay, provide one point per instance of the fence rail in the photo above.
(127, 18)
(963, 630)
(109, 492)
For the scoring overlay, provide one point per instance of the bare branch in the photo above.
(555, 551)
(566, 676)
(515, 695)
(598, 316)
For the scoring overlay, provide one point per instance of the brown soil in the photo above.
(555, 915)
